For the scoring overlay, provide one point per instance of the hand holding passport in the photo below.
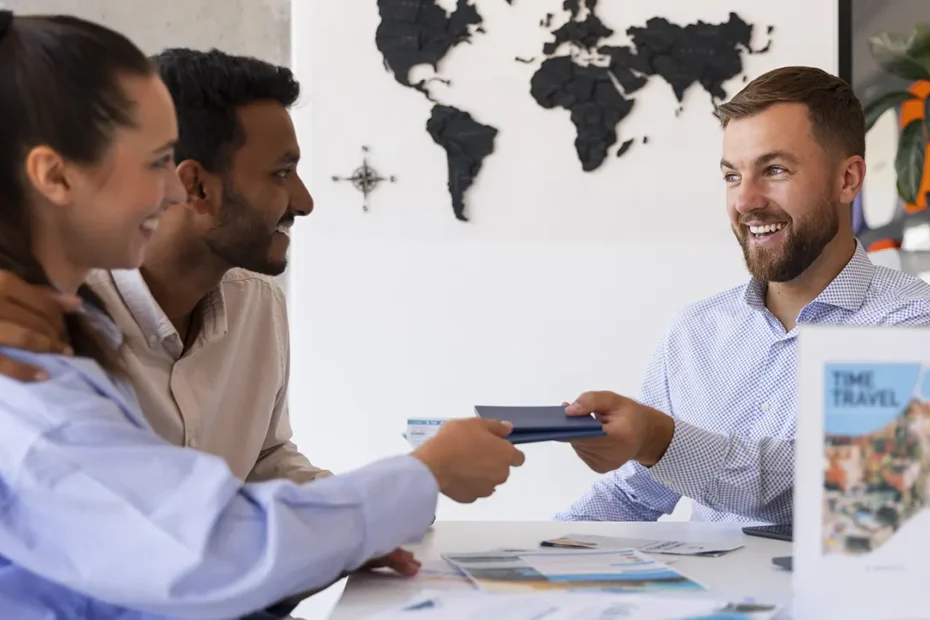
(624, 429)
(542, 423)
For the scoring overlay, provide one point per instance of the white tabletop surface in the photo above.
(745, 572)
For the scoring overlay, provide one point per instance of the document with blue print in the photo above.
(616, 570)
(862, 497)
(574, 606)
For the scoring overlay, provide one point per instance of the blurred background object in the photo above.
(885, 55)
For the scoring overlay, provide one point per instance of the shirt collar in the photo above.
(153, 321)
(847, 290)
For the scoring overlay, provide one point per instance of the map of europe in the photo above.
(595, 82)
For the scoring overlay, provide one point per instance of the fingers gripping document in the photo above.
(572, 606)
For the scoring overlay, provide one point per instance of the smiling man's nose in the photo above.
(748, 198)
(301, 199)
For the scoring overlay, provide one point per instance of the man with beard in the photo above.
(716, 417)
(207, 344)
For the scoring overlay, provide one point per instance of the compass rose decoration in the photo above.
(365, 178)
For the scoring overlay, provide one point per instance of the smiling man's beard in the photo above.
(242, 236)
(804, 241)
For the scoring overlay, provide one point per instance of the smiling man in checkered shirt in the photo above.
(716, 418)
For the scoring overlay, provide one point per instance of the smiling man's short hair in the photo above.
(835, 113)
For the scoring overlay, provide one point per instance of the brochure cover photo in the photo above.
(877, 452)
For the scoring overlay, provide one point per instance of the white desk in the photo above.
(745, 572)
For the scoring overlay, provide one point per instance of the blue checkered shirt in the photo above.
(726, 370)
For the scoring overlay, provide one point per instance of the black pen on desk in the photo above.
(549, 543)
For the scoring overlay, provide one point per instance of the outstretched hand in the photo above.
(635, 432)
(470, 457)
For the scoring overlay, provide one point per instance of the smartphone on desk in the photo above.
(777, 532)
(785, 562)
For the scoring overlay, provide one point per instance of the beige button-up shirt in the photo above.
(227, 394)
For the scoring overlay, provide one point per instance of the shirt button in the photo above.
(153, 339)
(192, 443)
(765, 406)
(779, 344)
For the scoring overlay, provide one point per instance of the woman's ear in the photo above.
(47, 173)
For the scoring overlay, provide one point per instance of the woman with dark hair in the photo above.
(99, 517)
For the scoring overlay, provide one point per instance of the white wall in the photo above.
(562, 282)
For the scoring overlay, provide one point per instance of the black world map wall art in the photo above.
(584, 81)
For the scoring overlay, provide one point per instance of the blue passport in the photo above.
(544, 423)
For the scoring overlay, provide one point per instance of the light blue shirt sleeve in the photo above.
(100, 505)
(729, 472)
(725, 472)
(631, 493)
(752, 477)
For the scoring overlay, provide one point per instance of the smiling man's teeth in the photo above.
(150, 224)
(766, 229)
(284, 230)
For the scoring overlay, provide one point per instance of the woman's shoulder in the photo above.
(76, 388)
(61, 369)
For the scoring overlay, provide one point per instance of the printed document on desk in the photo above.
(862, 476)
(618, 570)
(573, 606)
(668, 547)
(439, 574)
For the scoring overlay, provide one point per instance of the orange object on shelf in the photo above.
(884, 244)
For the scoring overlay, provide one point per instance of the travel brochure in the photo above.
(863, 473)
(565, 584)
(618, 570)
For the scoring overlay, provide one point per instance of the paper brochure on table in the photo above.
(667, 547)
(573, 606)
(620, 570)
(862, 477)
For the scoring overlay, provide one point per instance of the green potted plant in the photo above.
(906, 57)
